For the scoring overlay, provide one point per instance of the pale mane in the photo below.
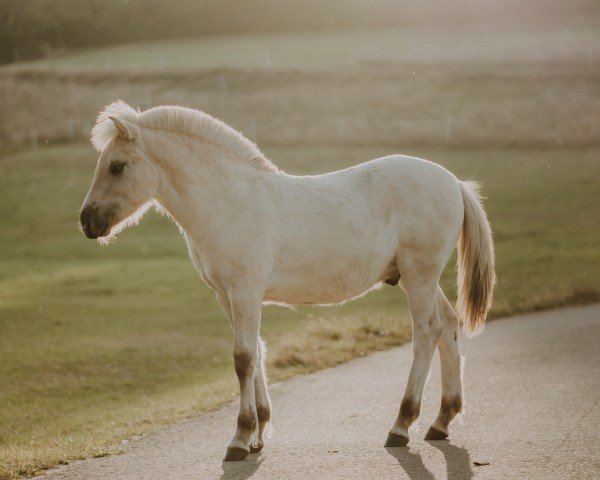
(180, 120)
(105, 131)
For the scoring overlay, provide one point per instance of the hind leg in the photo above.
(423, 304)
(450, 362)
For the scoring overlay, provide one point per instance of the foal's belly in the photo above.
(311, 296)
(329, 294)
(321, 286)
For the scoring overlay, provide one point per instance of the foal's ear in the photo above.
(126, 130)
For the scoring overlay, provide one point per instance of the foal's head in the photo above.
(124, 185)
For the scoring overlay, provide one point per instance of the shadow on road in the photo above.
(458, 461)
(411, 463)
(241, 470)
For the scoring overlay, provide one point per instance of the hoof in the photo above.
(396, 440)
(435, 434)
(255, 448)
(235, 454)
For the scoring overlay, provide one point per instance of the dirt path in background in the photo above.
(532, 388)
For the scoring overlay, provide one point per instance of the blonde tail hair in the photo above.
(476, 276)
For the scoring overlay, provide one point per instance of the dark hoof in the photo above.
(435, 434)
(396, 440)
(235, 455)
(256, 448)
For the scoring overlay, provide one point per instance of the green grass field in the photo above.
(100, 343)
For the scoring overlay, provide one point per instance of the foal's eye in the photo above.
(116, 168)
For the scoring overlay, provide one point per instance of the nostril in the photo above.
(85, 218)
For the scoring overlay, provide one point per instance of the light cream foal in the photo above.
(256, 234)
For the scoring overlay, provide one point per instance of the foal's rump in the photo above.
(417, 201)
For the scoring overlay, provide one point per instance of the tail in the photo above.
(476, 276)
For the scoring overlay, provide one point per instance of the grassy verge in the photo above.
(97, 344)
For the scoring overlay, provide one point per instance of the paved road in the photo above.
(532, 388)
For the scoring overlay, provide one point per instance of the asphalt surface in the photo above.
(532, 391)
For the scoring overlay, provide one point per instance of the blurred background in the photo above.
(98, 344)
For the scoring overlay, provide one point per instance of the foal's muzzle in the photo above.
(95, 221)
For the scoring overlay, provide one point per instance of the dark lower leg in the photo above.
(424, 342)
(239, 446)
(450, 362)
(263, 402)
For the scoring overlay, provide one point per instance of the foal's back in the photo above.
(388, 194)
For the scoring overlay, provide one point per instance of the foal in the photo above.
(256, 234)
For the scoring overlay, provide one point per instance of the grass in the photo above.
(98, 344)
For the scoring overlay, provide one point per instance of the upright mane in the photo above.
(177, 119)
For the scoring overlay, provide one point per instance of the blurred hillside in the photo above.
(44, 28)
(453, 86)
(466, 73)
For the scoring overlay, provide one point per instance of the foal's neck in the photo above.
(199, 180)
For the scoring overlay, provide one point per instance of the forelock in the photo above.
(105, 131)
